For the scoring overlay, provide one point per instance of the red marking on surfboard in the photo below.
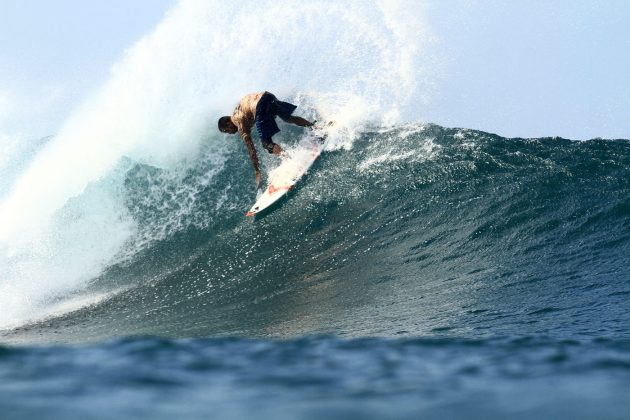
(272, 189)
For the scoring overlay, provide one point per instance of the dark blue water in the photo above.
(318, 377)
(493, 271)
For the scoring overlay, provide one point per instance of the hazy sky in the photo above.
(535, 67)
(517, 68)
(54, 53)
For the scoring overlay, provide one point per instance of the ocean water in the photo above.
(427, 272)
(417, 271)
(318, 377)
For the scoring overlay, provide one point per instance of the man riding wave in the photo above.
(261, 110)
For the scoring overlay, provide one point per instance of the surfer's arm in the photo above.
(247, 138)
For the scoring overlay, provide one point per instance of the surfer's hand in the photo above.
(257, 180)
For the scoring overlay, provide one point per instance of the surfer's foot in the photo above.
(277, 150)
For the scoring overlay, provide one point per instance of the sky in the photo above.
(535, 68)
(54, 53)
(517, 68)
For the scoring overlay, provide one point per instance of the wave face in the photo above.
(416, 230)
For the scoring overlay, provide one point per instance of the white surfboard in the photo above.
(283, 178)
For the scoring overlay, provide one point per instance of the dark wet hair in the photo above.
(223, 122)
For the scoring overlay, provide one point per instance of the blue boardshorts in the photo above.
(267, 109)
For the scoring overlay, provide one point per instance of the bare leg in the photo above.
(277, 150)
(299, 121)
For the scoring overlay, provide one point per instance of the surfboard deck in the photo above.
(283, 178)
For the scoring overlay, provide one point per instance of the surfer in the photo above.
(261, 110)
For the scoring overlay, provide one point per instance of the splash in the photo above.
(64, 219)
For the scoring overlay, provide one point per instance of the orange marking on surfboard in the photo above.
(273, 189)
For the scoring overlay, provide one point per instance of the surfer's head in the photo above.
(226, 125)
